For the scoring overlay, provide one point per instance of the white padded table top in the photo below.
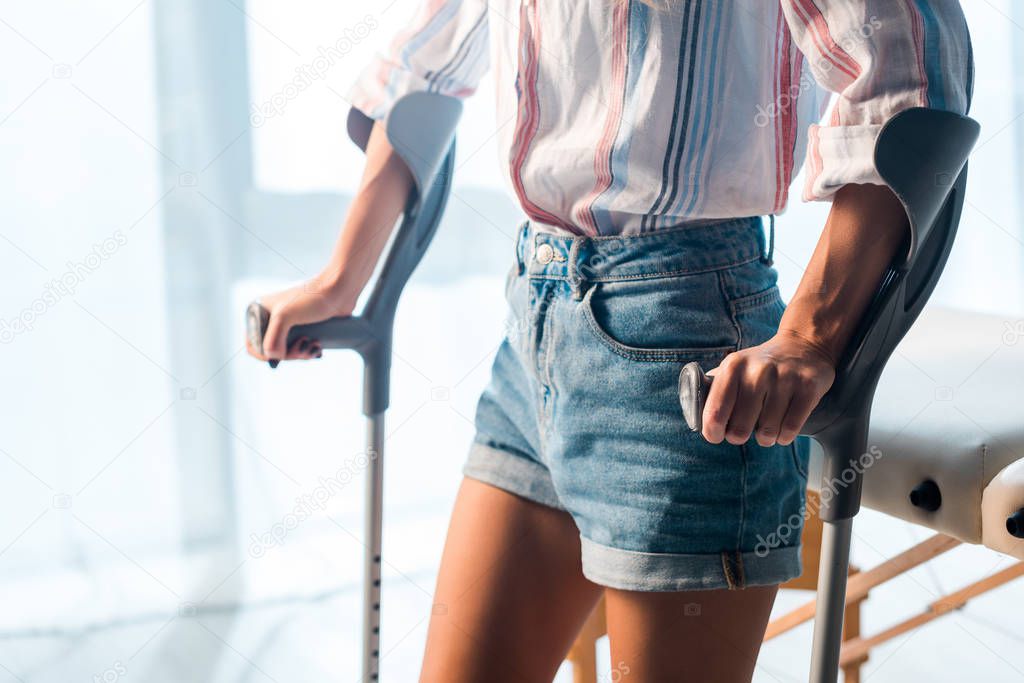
(949, 408)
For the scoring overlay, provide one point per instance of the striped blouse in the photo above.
(615, 117)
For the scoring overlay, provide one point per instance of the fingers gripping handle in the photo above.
(694, 386)
(334, 333)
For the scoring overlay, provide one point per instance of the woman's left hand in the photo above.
(772, 388)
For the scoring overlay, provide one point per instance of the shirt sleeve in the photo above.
(444, 49)
(879, 57)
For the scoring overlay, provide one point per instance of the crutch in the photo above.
(922, 155)
(421, 129)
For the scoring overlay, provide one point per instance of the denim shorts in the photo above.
(582, 410)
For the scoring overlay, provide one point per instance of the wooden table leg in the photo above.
(851, 630)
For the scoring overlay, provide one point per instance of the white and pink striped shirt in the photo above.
(624, 118)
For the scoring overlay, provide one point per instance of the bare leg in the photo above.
(706, 636)
(511, 595)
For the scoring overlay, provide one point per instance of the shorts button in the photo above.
(545, 253)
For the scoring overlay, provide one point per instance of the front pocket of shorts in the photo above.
(661, 319)
(798, 449)
(758, 315)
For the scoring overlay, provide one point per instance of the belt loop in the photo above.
(574, 274)
(769, 258)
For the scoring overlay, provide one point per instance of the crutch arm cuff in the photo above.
(420, 128)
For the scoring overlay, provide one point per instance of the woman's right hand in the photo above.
(309, 302)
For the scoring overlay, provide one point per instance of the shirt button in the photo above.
(545, 253)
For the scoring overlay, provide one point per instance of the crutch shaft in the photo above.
(828, 618)
(373, 535)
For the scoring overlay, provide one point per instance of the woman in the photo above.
(644, 142)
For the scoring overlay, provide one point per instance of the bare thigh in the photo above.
(705, 636)
(510, 596)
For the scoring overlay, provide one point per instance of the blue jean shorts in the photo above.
(582, 411)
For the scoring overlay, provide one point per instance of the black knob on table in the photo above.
(926, 496)
(1015, 524)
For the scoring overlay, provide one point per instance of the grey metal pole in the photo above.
(828, 616)
(373, 535)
